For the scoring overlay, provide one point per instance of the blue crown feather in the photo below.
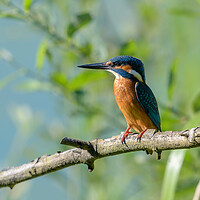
(136, 64)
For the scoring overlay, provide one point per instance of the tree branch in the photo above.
(88, 152)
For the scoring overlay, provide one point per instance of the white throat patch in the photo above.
(117, 76)
(133, 72)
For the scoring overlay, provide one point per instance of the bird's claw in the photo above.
(123, 142)
(125, 134)
(138, 139)
(123, 139)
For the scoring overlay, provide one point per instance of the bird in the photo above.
(134, 97)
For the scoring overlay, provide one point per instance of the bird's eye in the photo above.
(117, 63)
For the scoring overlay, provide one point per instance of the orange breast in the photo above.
(125, 94)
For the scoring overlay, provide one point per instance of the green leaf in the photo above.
(85, 78)
(128, 48)
(27, 5)
(34, 85)
(193, 122)
(11, 77)
(59, 78)
(170, 120)
(86, 49)
(80, 21)
(41, 54)
(185, 12)
(196, 104)
(13, 14)
(49, 55)
(172, 79)
(172, 172)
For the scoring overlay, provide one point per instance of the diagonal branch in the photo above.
(88, 152)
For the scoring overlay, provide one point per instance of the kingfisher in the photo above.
(133, 96)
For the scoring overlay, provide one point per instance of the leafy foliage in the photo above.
(165, 35)
(196, 104)
(41, 54)
(27, 5)
(80, 21)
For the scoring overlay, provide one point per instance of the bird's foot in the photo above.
(125, 135)
(140, 135)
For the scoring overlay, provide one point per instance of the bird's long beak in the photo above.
(96, 66)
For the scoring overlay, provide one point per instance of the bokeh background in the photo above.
(44, 97)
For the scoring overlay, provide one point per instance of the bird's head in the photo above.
(121, 66)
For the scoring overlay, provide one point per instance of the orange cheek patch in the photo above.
(126, 67)
(109, 63)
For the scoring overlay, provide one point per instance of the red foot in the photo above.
(125, 135)
(141, 133)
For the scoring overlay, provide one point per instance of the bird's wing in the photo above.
(148, 102)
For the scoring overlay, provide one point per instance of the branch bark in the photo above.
(88, 152)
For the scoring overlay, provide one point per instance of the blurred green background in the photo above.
(44, 97)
